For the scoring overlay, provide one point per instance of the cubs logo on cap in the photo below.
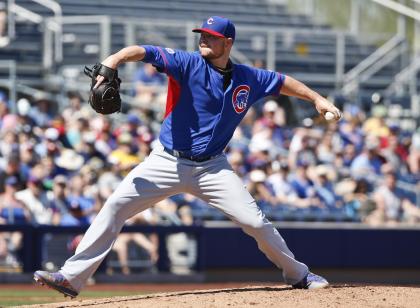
(218, 26)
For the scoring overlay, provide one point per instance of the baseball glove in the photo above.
(105, 99)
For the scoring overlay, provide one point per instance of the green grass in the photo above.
(41, 296)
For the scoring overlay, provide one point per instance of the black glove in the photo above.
(105, 99)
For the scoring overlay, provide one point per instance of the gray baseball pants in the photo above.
(160, 176)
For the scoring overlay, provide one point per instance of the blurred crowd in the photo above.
(58, 166)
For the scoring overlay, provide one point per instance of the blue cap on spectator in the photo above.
(133, 119)
(302, 163)
(3, 96)
(11, 181)
(218, 26)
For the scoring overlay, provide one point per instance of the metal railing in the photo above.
(372, 64)
(407, 75)
(52, 25)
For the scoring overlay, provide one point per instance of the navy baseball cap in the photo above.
(218, 26)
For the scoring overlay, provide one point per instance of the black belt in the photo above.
(189, 157)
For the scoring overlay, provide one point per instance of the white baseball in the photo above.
(329, 116)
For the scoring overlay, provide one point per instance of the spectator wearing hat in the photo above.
(28, 157)
(375, 125)
(12, 169)
(367, 165)
(260, 153)
(324, 175)
(60, 203)
(259, 188)
(69, 161)
(87, 148)
(36, 200)
(271, 123)
(81, 205)
(124, 156)
(49, 144)
(303, 184)
(40, 112)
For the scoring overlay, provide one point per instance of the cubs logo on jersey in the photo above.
(240, 98)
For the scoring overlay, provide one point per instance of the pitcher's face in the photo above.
(213, 47)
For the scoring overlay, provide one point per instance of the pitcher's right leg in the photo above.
(151, 181)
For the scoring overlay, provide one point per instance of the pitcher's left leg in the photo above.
(219, 185)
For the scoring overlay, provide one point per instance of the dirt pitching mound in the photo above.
(263, 296)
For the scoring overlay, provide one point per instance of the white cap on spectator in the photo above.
(69, 160)
(23, 106)
(257, 176)
(270, 106)
(51, 133)
(260, 144)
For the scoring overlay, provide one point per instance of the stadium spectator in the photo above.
(13, 212)
(148, 243)
(41, 111)
(367, 165)
(414, 154)
(351, 133)
(9, 145)
(60, 203)
(271, 123)
(69, 161)
(303, 185)
(124, 156)
(149, 85)
(324, 188)
(12, 169)
(259, 188)
(75, 108)
(375, 125)
(391, 204)
(81, 205)
(284, 193)
(36, 200)
(303, 143)
(49, 144)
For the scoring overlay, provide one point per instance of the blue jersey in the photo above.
(200, 116)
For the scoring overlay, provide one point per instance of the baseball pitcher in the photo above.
(208, 95)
